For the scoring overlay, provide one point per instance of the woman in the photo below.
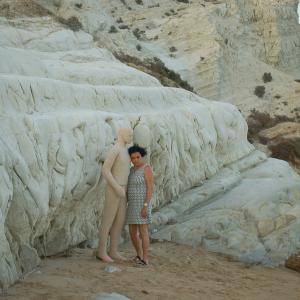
(139, 194)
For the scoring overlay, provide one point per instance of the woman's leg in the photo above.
(143, 228)
(133, 231)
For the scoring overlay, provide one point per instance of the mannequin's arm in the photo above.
(106, 171)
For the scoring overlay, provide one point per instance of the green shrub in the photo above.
(267, 77)
(73, 23)
(123, 26)
(113, 29)
(260, 91)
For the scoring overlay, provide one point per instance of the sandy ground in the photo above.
(176, 272)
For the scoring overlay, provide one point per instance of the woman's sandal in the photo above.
(143, 263)
(137, 259)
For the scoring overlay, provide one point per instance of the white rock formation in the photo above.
(59, 113)
(251, 215)
(61, 101)
(223, 55)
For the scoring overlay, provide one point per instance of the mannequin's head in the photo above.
(136, 153)
(142, 135)
(125, 135)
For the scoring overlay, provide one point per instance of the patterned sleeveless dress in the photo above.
(136, 194)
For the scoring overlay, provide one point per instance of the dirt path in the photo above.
(176, 272)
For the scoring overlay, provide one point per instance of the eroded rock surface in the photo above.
(250, 214)
(62, 99)
(242, 52)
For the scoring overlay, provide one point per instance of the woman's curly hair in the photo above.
(136, 148)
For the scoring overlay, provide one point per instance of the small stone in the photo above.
(112, 296)
(112, 269)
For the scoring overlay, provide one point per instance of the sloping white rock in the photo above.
(93, 66)
(223, 55)
(255, 221)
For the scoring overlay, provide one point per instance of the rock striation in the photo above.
(249, 214)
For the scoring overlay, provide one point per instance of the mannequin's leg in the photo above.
(109, 213)
(116, 230)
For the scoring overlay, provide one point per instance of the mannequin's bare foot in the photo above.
(105, 258)
(118, 256)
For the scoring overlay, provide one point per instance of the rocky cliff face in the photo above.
(241, 52)
(62, 99)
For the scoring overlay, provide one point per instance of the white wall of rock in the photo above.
(61, 101)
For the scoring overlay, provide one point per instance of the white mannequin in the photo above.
(115, 170)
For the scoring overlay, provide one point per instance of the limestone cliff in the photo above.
(62, 98)
(242, 52)
(238, 51)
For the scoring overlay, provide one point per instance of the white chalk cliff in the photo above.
(62, 99)
(221, 48)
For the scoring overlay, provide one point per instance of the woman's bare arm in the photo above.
(149, 183)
